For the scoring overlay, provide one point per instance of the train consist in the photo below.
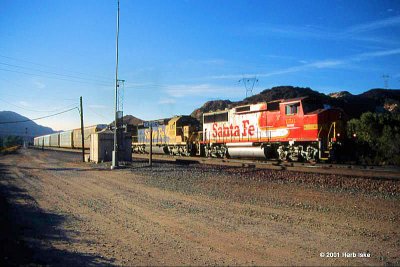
(174, 136)
(288, 129)
(68, 139)
(291, 129)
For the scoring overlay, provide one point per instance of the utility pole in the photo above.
(82, 132)
(249, 83)
(115, 152)
(26, 138)
(151, 146)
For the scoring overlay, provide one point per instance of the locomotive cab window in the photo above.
(292, 109)
(242, 109)
(273, 106)
(216, 117)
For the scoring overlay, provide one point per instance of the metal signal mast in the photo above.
(115, 152)
(249, 83)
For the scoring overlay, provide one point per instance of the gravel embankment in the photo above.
(73, 213)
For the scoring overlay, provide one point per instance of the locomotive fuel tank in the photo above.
(245, 150)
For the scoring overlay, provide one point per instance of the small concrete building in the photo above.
(102, 145)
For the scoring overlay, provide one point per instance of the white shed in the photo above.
(102, 145)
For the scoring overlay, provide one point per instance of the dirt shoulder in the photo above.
(64, 212)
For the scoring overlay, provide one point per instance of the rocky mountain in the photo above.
(25, 128)
(285, 92)
(340, 94)
(388, 99)
(375, 100)
(130, 120)
(213, 105)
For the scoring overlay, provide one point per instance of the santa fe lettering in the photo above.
(233, 130)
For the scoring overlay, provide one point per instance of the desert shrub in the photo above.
(377, 137)
(11, 140)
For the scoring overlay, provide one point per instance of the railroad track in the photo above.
(371, 172)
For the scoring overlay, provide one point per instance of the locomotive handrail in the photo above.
(320, 130)
(333, 124)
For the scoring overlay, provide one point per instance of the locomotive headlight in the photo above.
(354, 135)
(338, 135)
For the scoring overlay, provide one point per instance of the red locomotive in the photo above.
(293, 129)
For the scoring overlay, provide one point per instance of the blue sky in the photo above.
(176, 55)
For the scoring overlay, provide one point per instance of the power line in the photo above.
(13, 87)
(46, 76)
(54, 110)
(53, 73)
(98, 114)
(7, 122)
(52, 67)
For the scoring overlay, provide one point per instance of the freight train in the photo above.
(68, 139)
(292, 129)
(288, 129)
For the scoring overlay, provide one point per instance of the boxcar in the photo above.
(46, 140)
(55, 140)
(40, 141)
(77, 135)
(66, 140)
(36, 141)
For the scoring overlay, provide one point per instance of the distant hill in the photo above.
(340, 94)
(388, 99)
(130, 120)
(285, 92)
(210, 106)
(375, 100)
(28, 128)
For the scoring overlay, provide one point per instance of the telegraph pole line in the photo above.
(115, 152)
(151, 146)
(82, 131)
(26, 138)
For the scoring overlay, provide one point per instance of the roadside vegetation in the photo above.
(10, 144)
(376, 137)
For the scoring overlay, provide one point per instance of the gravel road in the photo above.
(60, 211)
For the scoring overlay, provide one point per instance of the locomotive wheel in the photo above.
(207, 152)
(282, 154)
(227, 156)
(293, 157)
(223, 151)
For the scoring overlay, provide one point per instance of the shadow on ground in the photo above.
(26, 231)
